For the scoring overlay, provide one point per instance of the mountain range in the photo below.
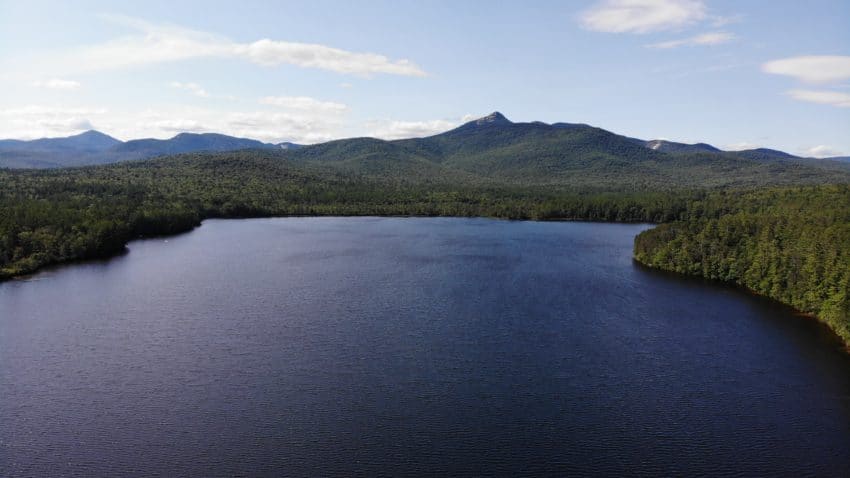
(94, 147)
(492, 146)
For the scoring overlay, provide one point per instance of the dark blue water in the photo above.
(364, 346)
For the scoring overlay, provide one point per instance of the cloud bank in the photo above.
(410, 129)
(36, 121)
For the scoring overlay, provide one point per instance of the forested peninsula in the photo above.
(792, 245)
(779, 228)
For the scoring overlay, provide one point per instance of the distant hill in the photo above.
(93, 147)
(184, 143)
(90, 141)
(20, 159)
(83, 148)
(765, 154)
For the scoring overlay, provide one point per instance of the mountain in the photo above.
(90, 141)
(83, 148)
(93, 147)
(765, 154)
(495, 150)
(490, 148)
(184, 143)
(498, 148)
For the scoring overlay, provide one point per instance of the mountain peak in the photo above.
(91, 132)
(87, 140)
(665, 146)
(493, 118)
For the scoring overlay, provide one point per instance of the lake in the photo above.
(398, 346)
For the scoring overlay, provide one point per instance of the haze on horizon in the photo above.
(772, 74)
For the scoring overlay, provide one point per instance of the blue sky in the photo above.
(735, 74)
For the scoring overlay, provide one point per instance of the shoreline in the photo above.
(844, 342)
(4, 277)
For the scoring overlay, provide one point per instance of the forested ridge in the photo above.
(781, 229)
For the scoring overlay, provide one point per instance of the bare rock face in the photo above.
(493, 118)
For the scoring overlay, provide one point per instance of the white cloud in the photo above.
(811, 69)
(269, 126)
(36, 121)
(58, 84)
(712, 38)
(744, 145)
(179, 125)
(277, 126)
(192, 88)
(272, 53)
(272, 126)
(157, 43)
(304, 103)
(824, 97)
(642, 16)
(410, 129)
(821, 151)
(72, 124)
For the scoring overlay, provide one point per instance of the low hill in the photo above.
(765, 154)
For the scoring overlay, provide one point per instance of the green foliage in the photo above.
(792, 245)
